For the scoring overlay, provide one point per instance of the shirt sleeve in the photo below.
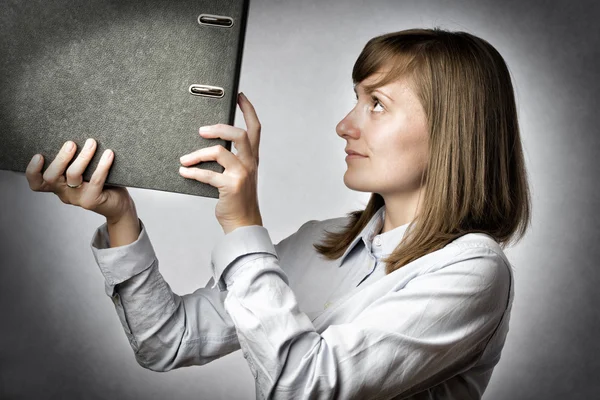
(165, 330)
(409, 339)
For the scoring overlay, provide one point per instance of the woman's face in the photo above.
(389, 127)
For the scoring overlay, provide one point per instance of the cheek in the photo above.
(406, 153)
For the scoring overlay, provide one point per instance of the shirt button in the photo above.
(377, 241)
(327, 304)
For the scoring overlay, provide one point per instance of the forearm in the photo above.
(165, 330)
(169, 331)
(124, 230)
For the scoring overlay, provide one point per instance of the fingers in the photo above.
(252, 123)
(33, 172)
(215, 153)
(250, 117)
(246, 142)
(203, 175)
(227, 132)
(53, 178)
(57, 168)
(75, 171)
(96, 184)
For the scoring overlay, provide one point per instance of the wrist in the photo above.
(123, 231)
(129, 215)
(228, 228)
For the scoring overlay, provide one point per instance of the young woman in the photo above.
(408, 298)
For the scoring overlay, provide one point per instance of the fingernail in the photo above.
(106, 155)
(68, 146)
(88, 144)
(37, 159)
(204, 129)
(242, 95)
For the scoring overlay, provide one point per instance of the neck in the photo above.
(401, 208)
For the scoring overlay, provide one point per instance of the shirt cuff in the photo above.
(237, 243)
(117, 264)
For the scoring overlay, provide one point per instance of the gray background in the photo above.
(60, 336)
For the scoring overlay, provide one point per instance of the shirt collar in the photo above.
(389, 240)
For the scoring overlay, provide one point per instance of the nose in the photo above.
(347, 126)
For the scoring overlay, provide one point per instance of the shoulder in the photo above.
(330, 224)
(311, 232)
(479, 259)
(315, 227)
(473, 265)
(480, 245)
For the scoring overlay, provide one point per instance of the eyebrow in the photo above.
(372, 91)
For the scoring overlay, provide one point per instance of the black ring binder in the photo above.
(119, 72)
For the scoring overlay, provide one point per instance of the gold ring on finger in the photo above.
(75, 186)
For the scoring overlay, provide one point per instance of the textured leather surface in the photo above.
(117, 71)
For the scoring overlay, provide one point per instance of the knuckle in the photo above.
(51, 179)
(243, 176)
(64, 199)
(94, 180)
(70, 174)
(86, 204)
(235, 187)
(239, 186)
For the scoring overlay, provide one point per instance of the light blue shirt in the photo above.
(312, 328)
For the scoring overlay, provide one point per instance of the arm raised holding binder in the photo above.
(166, 331)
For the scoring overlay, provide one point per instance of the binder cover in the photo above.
(121, 72)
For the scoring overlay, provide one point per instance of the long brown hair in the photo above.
(475, 179)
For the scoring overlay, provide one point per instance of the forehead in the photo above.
(396, 88)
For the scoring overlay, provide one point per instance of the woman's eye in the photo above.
(377, 103)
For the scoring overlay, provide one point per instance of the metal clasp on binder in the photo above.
(215, 20)
(206, 90)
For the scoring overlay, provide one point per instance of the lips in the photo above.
(352, 152)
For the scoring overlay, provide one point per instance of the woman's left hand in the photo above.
(238, 200)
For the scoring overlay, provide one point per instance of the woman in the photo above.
(408, 298)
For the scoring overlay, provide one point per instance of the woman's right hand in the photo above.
(113, 202)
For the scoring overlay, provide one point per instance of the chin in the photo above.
(359, 185)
